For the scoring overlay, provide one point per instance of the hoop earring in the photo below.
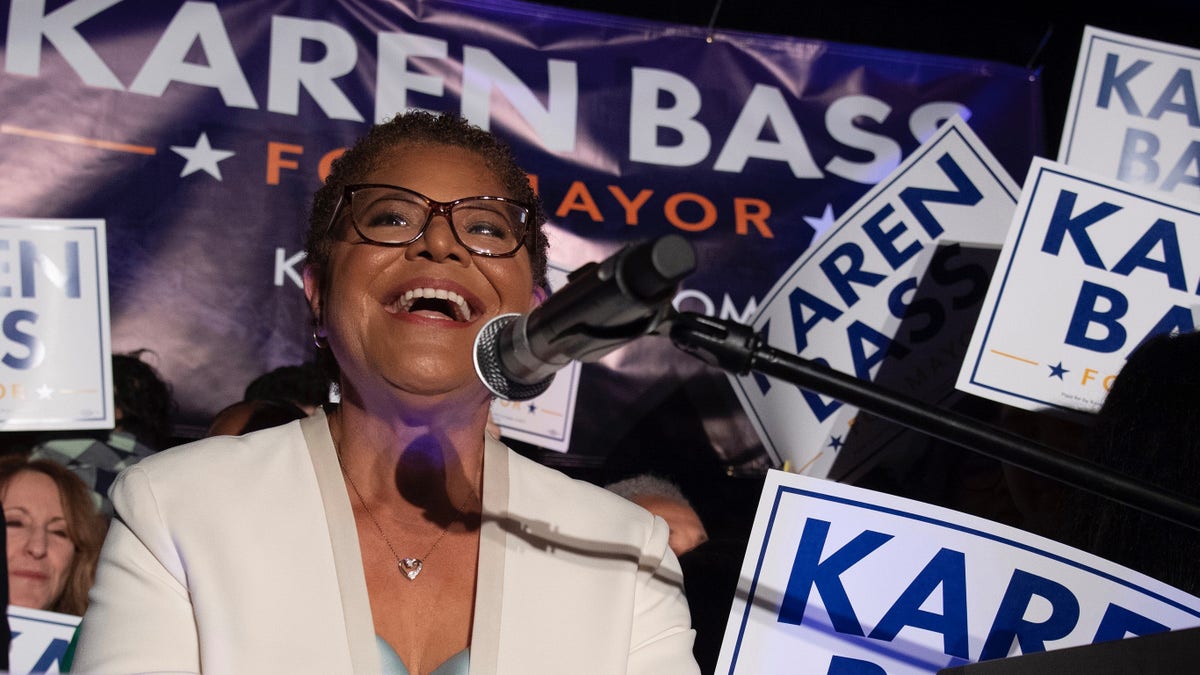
(319, 340)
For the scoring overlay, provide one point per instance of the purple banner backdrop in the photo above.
(199, 130)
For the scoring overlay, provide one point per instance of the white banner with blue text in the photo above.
(55, 370)
(842, 580)
(1090, 269)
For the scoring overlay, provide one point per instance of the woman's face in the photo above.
(384, 322)
(40, 550)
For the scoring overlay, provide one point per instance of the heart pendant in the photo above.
(411, 567)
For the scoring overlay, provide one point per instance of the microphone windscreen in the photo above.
(490, 369)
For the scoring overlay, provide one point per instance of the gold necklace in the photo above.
(409, 567)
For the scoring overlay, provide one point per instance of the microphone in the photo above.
(603, 306)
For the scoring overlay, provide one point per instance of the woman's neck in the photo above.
(430, 465)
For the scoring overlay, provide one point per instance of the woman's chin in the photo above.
(31, 598)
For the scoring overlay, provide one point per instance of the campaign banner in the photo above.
(846, 580)
(199, 131)
(843, 301)
(55, 363)
(1090, 269)
(1133, 114)
(39, 640)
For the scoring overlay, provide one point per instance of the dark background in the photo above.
(1044, 36)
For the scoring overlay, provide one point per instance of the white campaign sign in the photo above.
(843, 300)
(39, 640)
(1133, 114)
(1090, 269)
(838, 579)
(546, 420)
(55, 351)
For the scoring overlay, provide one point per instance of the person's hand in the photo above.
(687, 532)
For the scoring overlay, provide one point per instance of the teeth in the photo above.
(464, 310)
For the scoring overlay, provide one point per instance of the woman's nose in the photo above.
(36, 543)
(438, 241)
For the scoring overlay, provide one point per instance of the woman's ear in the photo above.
(539, 296)
(312, 291)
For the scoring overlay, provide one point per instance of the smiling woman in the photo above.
(391, 533)
(53, 535)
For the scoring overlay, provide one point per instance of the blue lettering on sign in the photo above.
(1010, 624)
(821, 311)
(1087, 314)
(844, 665)
(1111, 81)
(1119, 622)
(1139, 161)
(859, 334)
(1062, 224)
(53, 655)
(809, 571)
(29, 261)
(1185, 170)
(841, 279)
(1161, 233)
(36, 350)
(885, 241)
(1180, 86)
(965, 194)
(948, 570)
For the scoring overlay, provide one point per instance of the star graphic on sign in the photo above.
(532, 408)
(835, 442)
(201, 157)
(1057, 371)
(44, 392)
(822, 223)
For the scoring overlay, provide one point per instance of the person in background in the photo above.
(143, 407)
(243, 417)
(1148, 429)
(304, 386)
(53, 535)
(664, 499)
(391, 533)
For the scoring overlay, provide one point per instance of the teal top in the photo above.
(458, 664)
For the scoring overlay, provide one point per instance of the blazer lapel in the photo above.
(489, 584)
(343, 538)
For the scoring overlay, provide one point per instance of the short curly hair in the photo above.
(415, 128)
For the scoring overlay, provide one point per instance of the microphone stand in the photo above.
(735, 348)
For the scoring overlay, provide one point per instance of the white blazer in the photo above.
(240, 555)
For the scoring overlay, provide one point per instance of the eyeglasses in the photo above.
(388, 215)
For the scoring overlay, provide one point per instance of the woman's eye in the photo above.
(492, 227)
(13, 522)
(62, 534)
(389, 219)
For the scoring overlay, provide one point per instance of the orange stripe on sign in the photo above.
(77, 140)
(1015, 358)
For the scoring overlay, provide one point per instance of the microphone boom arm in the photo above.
(737, 349)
